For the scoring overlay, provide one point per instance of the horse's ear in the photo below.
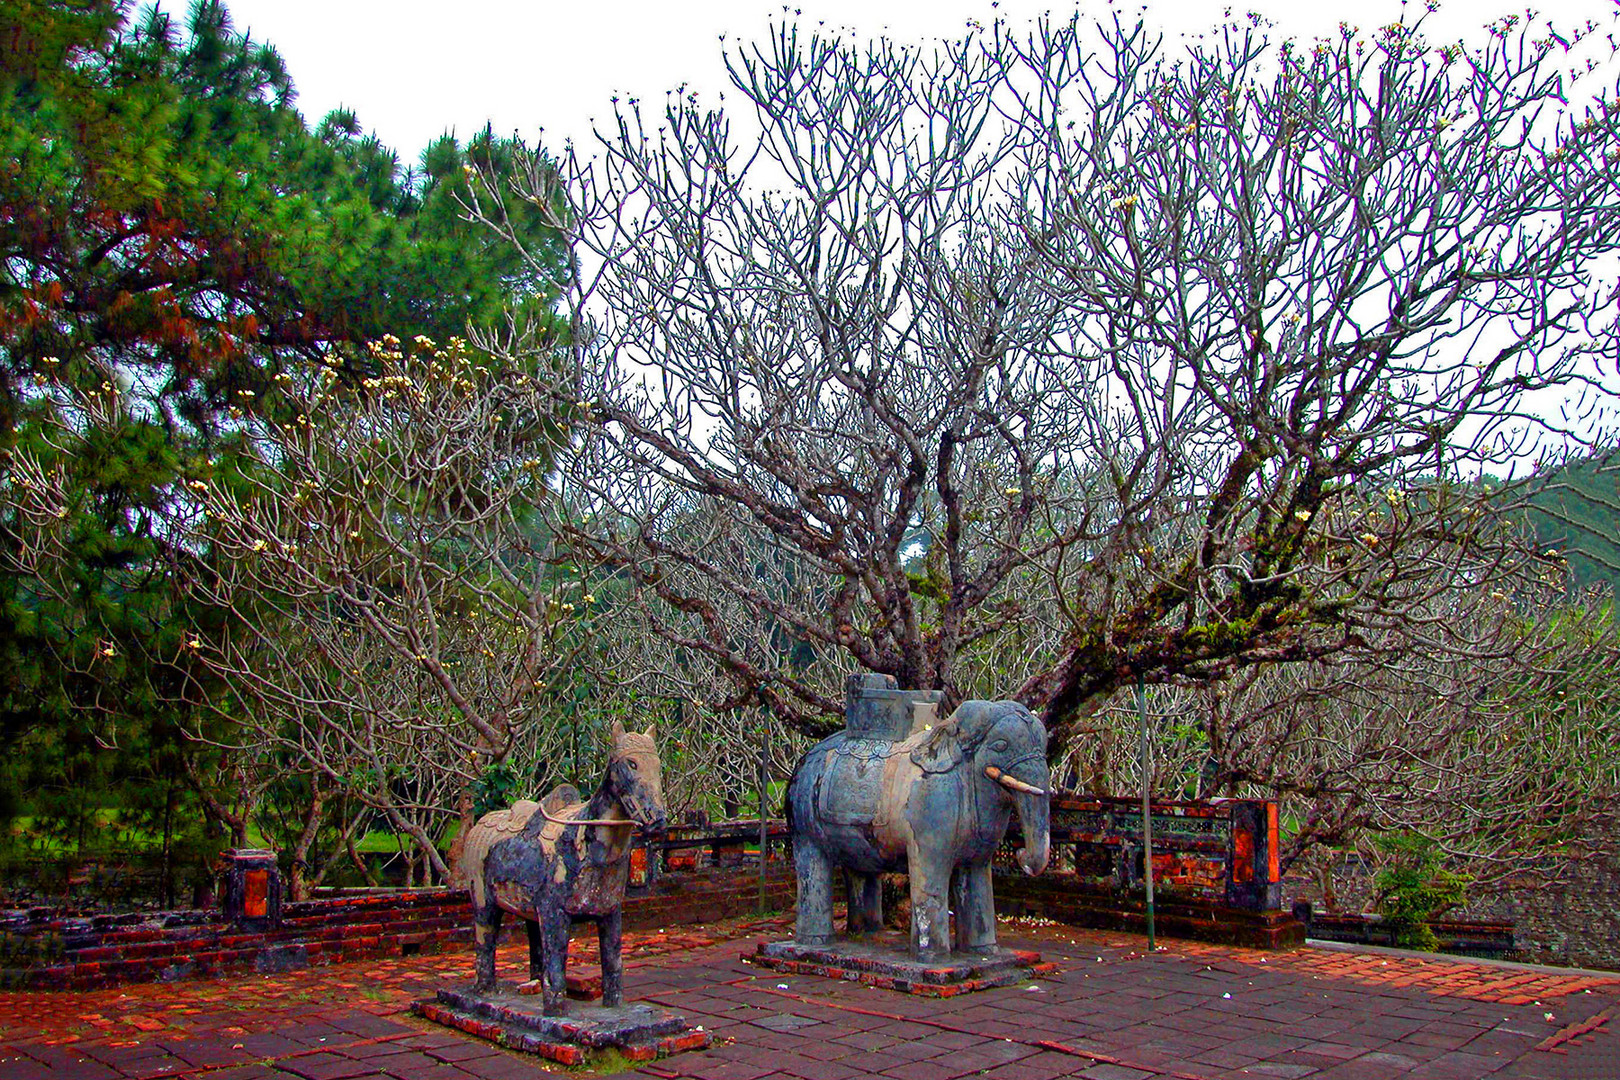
(618, 731)
(650, 729)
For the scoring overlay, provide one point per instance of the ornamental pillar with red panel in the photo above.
(1255, 880)
(250, 895)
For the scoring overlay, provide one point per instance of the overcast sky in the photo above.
(413, 69)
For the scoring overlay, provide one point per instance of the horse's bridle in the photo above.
(587, 821)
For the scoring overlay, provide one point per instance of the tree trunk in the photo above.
(298, 877)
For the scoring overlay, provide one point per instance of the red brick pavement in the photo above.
(1188, 1011)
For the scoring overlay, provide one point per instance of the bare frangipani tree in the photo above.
(1077, 352)
(1314, 274)
(390, 614)
(1500, 742)
(712, 751)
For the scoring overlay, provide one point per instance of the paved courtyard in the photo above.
(1189, 1012)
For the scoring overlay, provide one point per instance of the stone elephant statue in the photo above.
(935, 805)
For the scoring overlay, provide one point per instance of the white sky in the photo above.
(413, 69)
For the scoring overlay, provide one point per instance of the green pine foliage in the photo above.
(173, 235)
(167, 212)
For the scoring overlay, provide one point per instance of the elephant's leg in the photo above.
(930, 915)
(853, 922)
(865, 893)
(609, 936)
(486, 931)
(974, 906)
(866, 897)
(537, 949)
(958, 905)
(814, 923)
(554, 926)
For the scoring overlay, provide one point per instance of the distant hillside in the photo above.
(1577, 511)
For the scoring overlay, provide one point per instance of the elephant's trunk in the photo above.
(1034, 816)
(1033, 804)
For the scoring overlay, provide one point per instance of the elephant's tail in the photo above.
(491, 829)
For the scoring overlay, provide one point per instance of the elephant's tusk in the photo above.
(587, 821)
(1012, 783)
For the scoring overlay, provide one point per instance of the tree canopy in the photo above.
(169, 215)
(1034, 362)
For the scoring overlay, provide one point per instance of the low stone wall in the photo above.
(39, 951)
(1069, 899)
(1574, 922)
(1457, 937)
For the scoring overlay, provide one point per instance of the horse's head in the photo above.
(636, 778)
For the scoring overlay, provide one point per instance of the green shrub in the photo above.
(1414, 888)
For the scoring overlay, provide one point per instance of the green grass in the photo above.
(108, 835)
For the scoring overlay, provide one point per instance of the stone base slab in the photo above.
(509, 1018)
(885, 961)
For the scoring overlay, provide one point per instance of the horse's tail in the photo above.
(491, 829)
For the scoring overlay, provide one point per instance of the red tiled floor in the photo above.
(1189, 1011)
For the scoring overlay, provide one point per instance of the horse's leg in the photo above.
(486, 932)
(537, 950)
(609, 935)
(554, 927)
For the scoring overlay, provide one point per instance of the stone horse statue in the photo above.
(564, 861)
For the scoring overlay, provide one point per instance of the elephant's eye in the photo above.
(634, 764)
(999, 746)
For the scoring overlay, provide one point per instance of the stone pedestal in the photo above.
(885, 961)
(510, 1018)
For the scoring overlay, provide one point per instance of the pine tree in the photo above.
(173, 237)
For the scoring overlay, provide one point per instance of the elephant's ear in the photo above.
(939, 751)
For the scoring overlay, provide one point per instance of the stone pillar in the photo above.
(1254, 882)
(250, 893)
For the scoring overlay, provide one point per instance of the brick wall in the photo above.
(41, 951)
(1071, 899)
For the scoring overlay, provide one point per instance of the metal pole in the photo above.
(1147, 809)
(764, 774)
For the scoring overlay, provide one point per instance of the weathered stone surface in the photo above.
(882, 960)
(251, 892)
(935, 803)
(510, 1018)
(553, 869)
